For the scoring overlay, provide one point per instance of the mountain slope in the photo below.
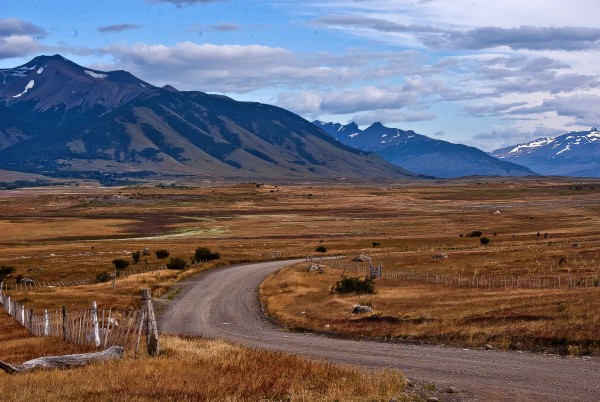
(421, 154)
(575, 153)
(77, 122)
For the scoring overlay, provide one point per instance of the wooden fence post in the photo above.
(95, 324)
(46, 323)
(65, 325)
(151, 327)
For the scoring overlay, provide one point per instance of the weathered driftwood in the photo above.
(114, 352)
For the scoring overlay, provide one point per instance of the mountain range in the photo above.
(60, 119)
(572, 154)
(421, 154)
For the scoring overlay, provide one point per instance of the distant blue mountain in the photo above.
(575, 153)
(421, 154)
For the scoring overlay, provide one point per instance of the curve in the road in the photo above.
(224, 304)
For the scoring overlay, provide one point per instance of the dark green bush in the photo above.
(120, 264)
(485, 241)
(162, 253)
(136, 256)
(176, 263)
(6, 270)
(204, 254)
(475, 233)
(376, 244)
(353, 284)
(321, 249)
(103, 277)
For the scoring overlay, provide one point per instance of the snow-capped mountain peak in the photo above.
(53, 81)
(574, 153)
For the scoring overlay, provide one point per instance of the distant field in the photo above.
(73, 233)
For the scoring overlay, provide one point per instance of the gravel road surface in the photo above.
(223, 304)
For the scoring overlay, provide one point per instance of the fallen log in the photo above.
(67, 361)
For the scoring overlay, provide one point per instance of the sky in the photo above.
(477, 72)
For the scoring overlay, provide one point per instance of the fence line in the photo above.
(91, 327)
(557, 281)
(42, 284)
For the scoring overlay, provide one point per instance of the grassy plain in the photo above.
(73, 233)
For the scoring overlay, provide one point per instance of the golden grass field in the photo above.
(187, 370)
(73, 233)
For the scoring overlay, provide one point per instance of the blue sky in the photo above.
(467, 71)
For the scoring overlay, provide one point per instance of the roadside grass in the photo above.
(561, 321)
(191, 369)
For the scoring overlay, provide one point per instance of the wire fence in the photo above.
(92, 327)
(546, 281)
(28, 284)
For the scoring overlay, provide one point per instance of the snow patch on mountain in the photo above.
(40, 70)
(95, 75)
(29, 86)
(527, 147)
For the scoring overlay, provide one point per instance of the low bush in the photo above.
(204, 254)
(135, 256)
(103, 277)
(176, 263)
(6, 270)
(376, 244)
(475, 233)
(321, 249)
(353, 284)
(484, 240)
(120, 264)
(162, 253)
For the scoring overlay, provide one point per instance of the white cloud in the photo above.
(19, 38)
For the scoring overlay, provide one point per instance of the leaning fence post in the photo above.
(151, 327)
(95, 324)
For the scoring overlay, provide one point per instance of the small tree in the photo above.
(176, 263)
(162, 253)
(6, 270)
(204, 254)
(321, 249)
(135, 256)
(120, 264)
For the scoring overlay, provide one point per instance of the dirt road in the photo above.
(224, 304)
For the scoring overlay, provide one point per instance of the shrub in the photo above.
(176, 263)
(120, 264)
(6, 270)
(162, 253)
(485, 241)
(204, 254)
(136, 256)
(475, 233)
(353, 284)
(103, 277)
(376, 244)
(321, 249)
